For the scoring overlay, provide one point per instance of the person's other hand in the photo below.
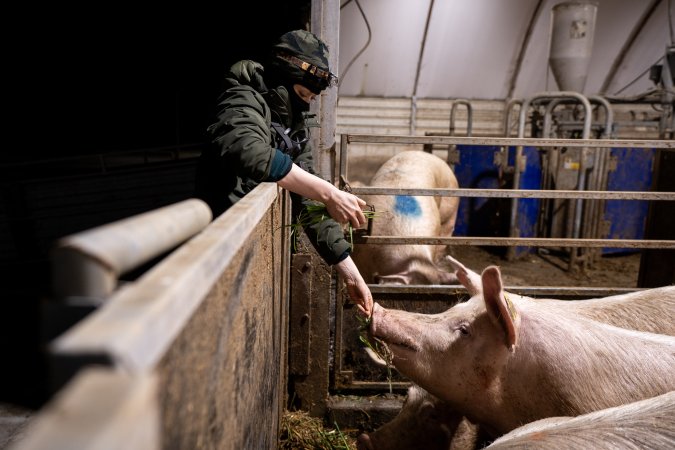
(345, 207)
(358, 290)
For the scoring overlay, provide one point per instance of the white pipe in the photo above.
(87, 264)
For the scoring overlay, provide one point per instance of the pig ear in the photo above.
(469, 279)
(500, 309)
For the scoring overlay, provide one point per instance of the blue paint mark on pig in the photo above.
(407, 206)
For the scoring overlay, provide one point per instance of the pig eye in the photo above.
(464, 329)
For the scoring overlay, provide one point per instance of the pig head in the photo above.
(650, 310)
(505, 361)
(423, 422)
(409, 216)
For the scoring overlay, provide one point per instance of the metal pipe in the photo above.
(593, 208)
(496, 141)
(87, 264)
(513, 230)
(552, 160)
(502, 242)
(507, 115)
(413, 114)
(599, 180)
(519, 193)
(520, 290)
(469, 113)
(343, 176)
(548, 113)
(503, 150)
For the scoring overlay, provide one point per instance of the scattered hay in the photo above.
(298, 430)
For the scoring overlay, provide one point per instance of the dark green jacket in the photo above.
(244, 151)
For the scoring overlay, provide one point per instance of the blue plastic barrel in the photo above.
(634, 167)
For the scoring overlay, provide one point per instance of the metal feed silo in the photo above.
(572, 30)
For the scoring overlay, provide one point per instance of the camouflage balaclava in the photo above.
(301, 57)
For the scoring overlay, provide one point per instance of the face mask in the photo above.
(298, 105)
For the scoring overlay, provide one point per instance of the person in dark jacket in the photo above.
(261, 135)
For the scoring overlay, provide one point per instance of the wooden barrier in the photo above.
(210, 322)
(100, 409)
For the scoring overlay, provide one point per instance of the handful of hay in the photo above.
(380, 349)
(314, 213)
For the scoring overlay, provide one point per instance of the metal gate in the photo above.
(350, 387)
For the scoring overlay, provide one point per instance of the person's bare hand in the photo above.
(361, 296)
(345, 207)
(358, 290)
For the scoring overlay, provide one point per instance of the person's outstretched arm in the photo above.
(342, 206)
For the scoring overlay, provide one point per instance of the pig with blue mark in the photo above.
(409, 216)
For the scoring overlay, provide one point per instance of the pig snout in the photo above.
(386, 326)
(363, 442)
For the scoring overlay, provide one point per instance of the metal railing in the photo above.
(513, 240)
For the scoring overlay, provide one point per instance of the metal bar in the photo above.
(343, 175)
(520, 193)
(500, 141)
(554, 97)
(601, 155)
(531, 242)
(469, 116)
(520, 290)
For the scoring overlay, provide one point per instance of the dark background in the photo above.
(106, 107)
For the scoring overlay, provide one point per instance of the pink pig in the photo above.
(645, 424)
(649, 310)
(503, 360)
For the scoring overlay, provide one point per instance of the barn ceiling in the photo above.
(487, 49)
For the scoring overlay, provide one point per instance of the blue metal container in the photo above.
(626, 218)
(489, 217)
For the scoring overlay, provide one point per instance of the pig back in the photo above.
(650, 310)
(645, 424)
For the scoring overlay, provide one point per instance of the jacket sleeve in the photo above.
(327, 236)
